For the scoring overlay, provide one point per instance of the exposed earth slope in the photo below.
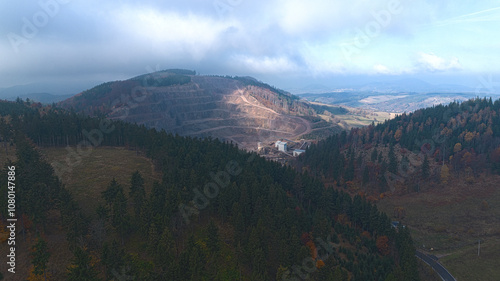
(238, 109)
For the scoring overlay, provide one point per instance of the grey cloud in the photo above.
(91, 38)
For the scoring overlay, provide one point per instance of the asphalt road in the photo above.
(432, 261)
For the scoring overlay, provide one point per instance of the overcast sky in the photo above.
(277, 41)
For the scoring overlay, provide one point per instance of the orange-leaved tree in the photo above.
(382, 245)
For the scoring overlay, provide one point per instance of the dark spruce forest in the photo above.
(257, 220)
(211, 211)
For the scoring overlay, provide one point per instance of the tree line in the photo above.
(460, 139)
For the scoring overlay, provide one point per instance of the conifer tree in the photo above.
(425, 167)
(82, 268)
(393, 165)
(374, 155)
(166, 250)
(111, 191)
(40, 257)
(366, 175)
(119, 217)
(137, 192)
(152, 238)
(213, 237)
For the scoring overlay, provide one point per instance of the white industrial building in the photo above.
(298, 152)
(282, 146)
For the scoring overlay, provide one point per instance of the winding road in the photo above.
(432, 261)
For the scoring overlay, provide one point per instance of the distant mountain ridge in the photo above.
(45, 98)
(67, 88)
(387, 86)
(396, 102)
(412, 85)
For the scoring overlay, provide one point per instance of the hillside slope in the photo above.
(239, 109)
(435, 170)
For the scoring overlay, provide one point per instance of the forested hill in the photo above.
(240, 109)
(413, 151)
(217, 214)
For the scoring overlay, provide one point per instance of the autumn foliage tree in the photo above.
(445, 174)
(382, 245)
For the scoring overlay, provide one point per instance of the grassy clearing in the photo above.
(355, 121)
(87, 180)
(451, 220)
(359, 120)
(357, 117)
(465, 264)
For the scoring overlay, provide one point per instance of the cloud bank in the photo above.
(73, 39)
